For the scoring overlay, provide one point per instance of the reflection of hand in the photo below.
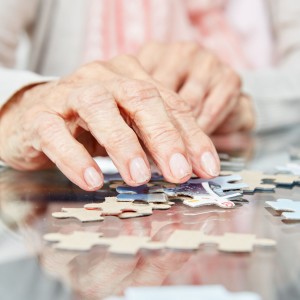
(108, 107)
(211, 88)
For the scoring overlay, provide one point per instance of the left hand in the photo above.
(212, 89)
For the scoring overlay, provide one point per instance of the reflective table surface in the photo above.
(32, 269)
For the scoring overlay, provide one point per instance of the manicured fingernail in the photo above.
(139, 171)
(92, 178)
(210, 164)
(179, 166)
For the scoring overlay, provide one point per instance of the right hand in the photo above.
(110, 107)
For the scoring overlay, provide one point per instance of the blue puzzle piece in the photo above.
(225, 182)
(144, 197)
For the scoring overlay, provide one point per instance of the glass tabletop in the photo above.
(30, 268)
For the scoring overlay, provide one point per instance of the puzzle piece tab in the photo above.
(80, 214)
(290, 208)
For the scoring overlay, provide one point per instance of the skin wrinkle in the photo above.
(114, 104)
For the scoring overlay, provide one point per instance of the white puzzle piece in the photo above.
(290, 208)
(81, 214)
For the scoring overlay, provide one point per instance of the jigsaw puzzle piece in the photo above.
(80, 214)
(109, 178)
(142, 189)
(290, 208)
(112, 207)
(227, 182)
(144, 197)
(77, 241)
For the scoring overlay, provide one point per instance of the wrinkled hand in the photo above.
(110, 107)
(211, 88)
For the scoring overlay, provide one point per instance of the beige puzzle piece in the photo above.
(112, 207)
(82, 240)
(81, 214)
(254, 180)
(259, 181)
(229, 242)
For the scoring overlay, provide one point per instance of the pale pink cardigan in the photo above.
(236, 30)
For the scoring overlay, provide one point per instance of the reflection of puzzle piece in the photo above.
(228, 182)
(179, 239)
(229, 242)
(112, 207)
(191, 292)
(291, 208)
(82, 240)
(207, 200)
(81, 214)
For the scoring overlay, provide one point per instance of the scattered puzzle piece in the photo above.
(78, 240)
(200, 195)
(112, 207)
(82, 240)
(226, 182)
(291, 168)
(290, 208)
(81, 214)
(230, 163)
(144, 197)
(229, 242)
(254, 181)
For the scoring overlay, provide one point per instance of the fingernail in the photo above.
(179, 166)
(92, 178)
(139, 171)
(210, 164)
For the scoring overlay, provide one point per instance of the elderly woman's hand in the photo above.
(212, 89)
(110, 107)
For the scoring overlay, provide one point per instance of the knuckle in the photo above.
(138, 91)
(117, 138)
(163, 133)
(90, 101)
(185, 48)
(124, 59)
(177, 104)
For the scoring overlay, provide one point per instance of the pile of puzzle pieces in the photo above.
(132, 202)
